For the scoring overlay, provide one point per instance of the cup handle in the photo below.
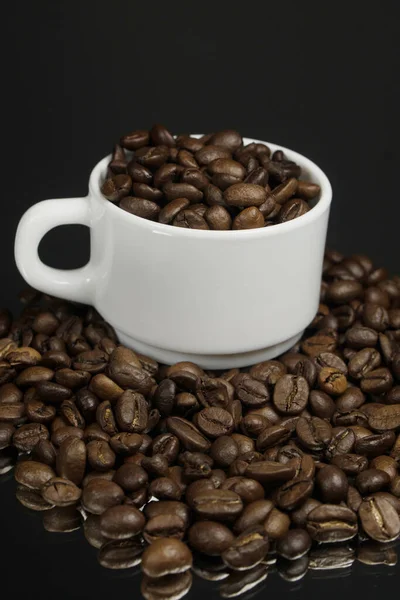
(73, 284)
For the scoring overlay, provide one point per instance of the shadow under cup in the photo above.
(221, 299)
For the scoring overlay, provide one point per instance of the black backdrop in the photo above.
(318, 77)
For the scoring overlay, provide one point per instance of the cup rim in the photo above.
(317, 174)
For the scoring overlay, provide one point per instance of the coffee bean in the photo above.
(313, 433)
(351, 464)
(372, 480)
(135, 140)
(165, 557)
(32, 474)
(141, 207)
(100, 456)
(293, 493)
(121, 522)
(28, 436)
(294, 545)
(214, 422)
(222, 505)
(245, 195)
(379, 519)
(60, 492)
(131, 412)
(342, 292)
(321, 405)
(218, 218)
(276, 524)
(161, 136)
(115, 188)
(71, 460)
(374, 445)
(291, 394)
(332, 484)
(165, 488)
(247, 551)
(249, 490)
(210, 538)
(189, 436)
(332, 523)
(269, 472)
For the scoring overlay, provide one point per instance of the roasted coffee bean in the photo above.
(224, 450)
(167, 445)
(215, 422)
(276, 524)
(379, 519)
(372, 480)
(385, 418)
(299, 516)
(71, 460)
(7, 431)
(105, 418)
(247, 550)
(374, 445)
(291, 394)
(294, 545)
(141, 207)
(245, 195)
(343, 292)
(116, 187)
(249, 490)
(99, 495)
(126, 443)
(351, 399)
(168, 507)
(314, 345)
(332, 381)
(164, 526)
(121, 522)
(28, 436)
(100, 456)
(60, 492)
(135, 139)
(165, 557)
(321, 405)
(251, 392)
(132, 412)
(377, 382)
(293, 493)
(342, 442)
(249, 218)
(332, 484)
(105, 388)
(292, 209)
(332, 523)
(222, 505)
(189, 436)
(269, 472)
(351, 464)
(218, 218)
(313, 433)
(165, 488)
(32, 474)
(210, 538)
(270, 436)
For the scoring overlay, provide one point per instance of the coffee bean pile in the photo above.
(290, 464)
(214, 182)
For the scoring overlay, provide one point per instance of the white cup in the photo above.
(221, 299)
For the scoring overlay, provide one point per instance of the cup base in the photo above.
(209, 361)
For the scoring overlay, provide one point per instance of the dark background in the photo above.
(319, 77)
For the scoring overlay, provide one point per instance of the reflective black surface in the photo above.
(317, 77)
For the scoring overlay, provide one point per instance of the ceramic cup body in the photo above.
(219, 298)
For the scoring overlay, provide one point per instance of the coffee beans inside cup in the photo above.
(214, 182)
(290, 465)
